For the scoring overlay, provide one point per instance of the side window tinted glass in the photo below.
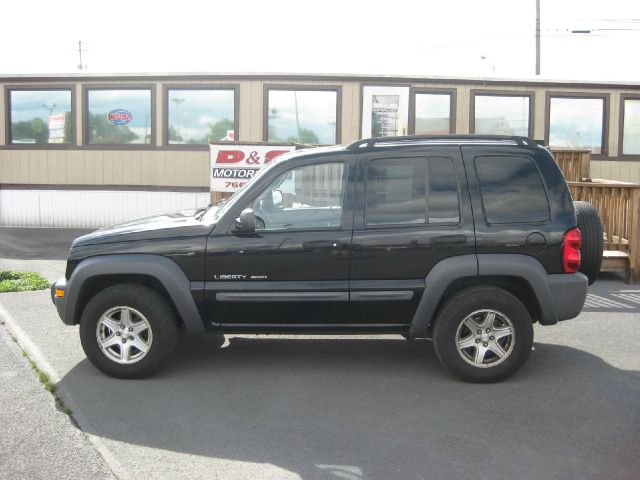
(443, 191)
(306, 197)
(512, 190)
(411, 191)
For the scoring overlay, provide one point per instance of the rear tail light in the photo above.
(571, 250)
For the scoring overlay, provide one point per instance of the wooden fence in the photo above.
(575, 164)
(619, 208)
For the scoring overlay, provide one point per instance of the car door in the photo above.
(294, 269)
(413, 211)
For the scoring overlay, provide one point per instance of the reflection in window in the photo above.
(631, 127)
(119, 116)
(200, 116)
(501, 115)
(40, 116)
(302, 116)
(305, 197)
(576, 123)
(512, 190)
(396, 191)
(433, 114)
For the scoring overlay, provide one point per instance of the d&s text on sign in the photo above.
(252, 158)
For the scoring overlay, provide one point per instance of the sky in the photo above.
(399, 37)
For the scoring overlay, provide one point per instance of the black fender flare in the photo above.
(162, 269)
(559, 296)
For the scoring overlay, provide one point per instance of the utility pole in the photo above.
(81, 66)
(537, 37)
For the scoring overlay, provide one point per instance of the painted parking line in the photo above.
(629, 297)
(597, 301)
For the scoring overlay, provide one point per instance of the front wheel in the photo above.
(128, 330)
(483, 334)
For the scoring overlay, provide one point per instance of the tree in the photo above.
(218, 131)
(35, 130)
(104, 132)
(305, 136)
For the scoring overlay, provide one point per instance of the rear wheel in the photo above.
(483, 334)
(128, 330)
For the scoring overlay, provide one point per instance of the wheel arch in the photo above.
(157, 272)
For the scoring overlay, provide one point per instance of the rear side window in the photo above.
(411, 191)
(512, 190)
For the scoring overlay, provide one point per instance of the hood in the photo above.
(178, 224)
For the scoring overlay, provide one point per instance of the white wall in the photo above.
(89, 208)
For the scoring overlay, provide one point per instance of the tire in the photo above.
(473, 307)
(591, 249)
(136, 326)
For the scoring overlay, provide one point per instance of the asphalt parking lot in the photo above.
(349, 408)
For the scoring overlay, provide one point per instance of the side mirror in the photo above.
(246, 222)
(276, 198)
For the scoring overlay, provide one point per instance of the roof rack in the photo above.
(370, 142)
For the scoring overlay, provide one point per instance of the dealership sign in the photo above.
(119, 116)
(232, 166)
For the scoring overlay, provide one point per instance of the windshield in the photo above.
(216, 210)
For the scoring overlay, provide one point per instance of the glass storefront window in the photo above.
(502, 115)
(199, 116)
(119, 117)
(631, 127)
(40, 117)
(433, 114)
(576, 123)
(302, 116)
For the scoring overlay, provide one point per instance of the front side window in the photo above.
(119, 117)
(631, 127)
(512, 190)
(501, 115)
(411, 191)
(433, 114)
(307, 197)
(302, 116)
(40, 117)
(576, 123)
(197, 117)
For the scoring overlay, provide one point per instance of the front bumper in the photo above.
(59, 302)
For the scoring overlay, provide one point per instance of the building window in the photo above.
(433, 113)
(40, 117)
(385, 111)
(577, 123)
(502, 114)
(199, 116)
(631, 127)
(119, 117)
(302, 116)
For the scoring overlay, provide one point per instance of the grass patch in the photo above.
(21, 281)
(49, 386)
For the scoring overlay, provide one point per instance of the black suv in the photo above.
(467, 240)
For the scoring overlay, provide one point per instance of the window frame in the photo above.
(621, 154)
(86, 88)
(301, 88)
(426, 223)
(502, 93)
(453, 102)
(71, 88)
(605, 97)
(166, 88)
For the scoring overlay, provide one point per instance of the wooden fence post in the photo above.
(634, 236)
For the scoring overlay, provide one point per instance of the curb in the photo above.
(31, 349)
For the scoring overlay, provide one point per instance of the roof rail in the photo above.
(408, 139)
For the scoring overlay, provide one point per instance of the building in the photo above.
(91, 150)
